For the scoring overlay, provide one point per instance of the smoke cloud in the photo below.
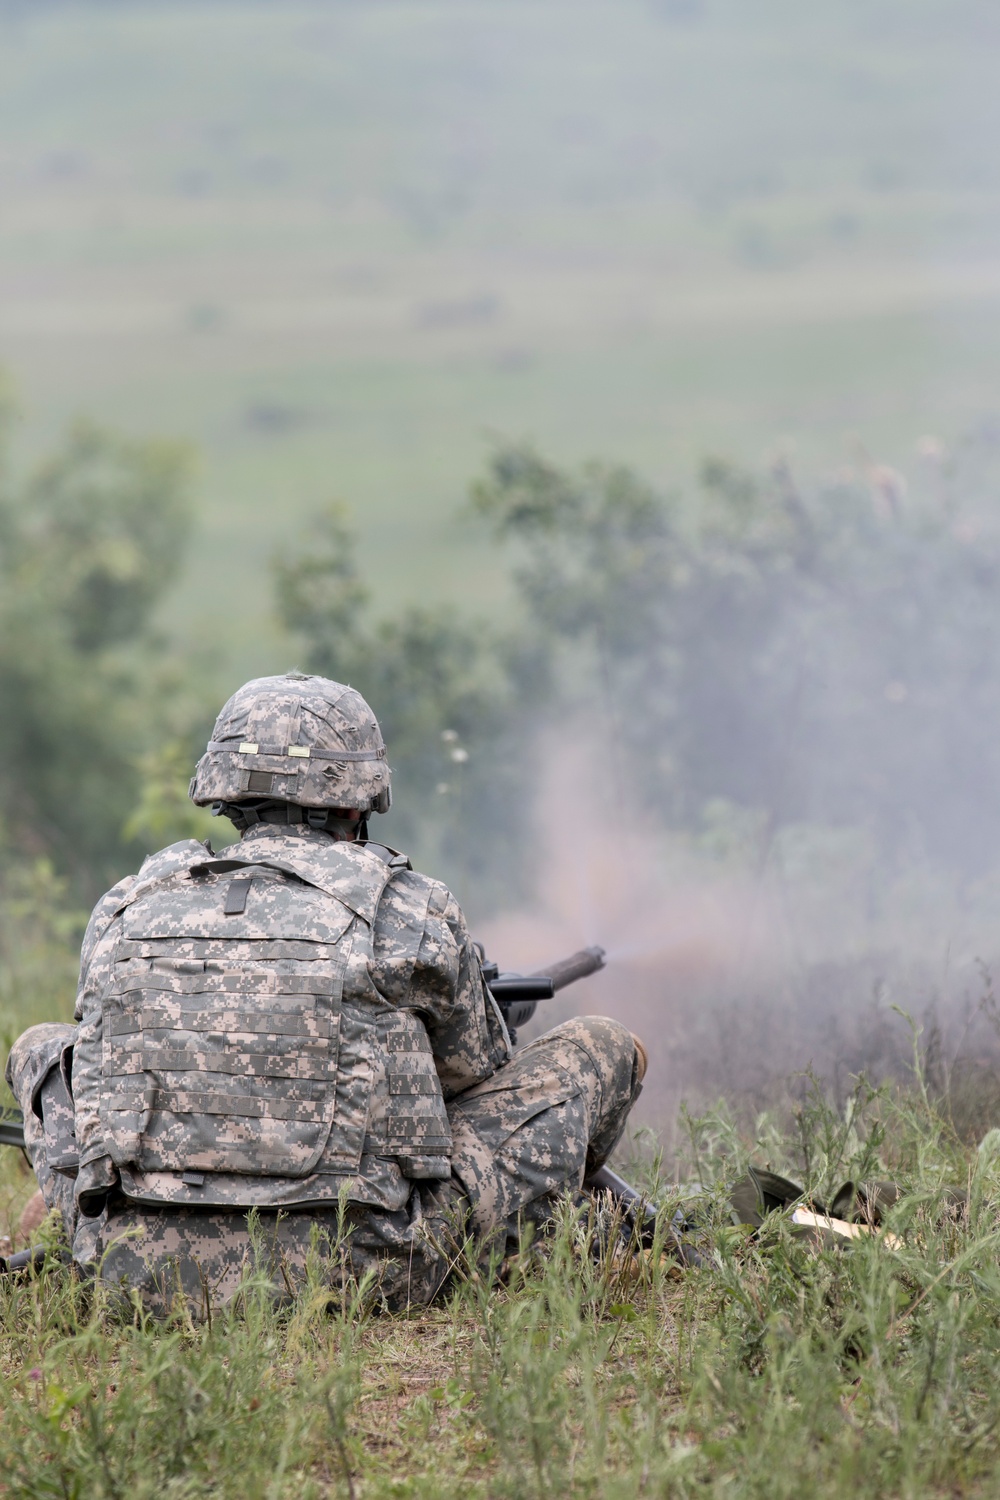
(741, 972)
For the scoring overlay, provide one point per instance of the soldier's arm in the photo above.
(100, 919)
(425, 961)
(95, 976)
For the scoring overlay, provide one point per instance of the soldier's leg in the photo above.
(38, 1072)
(553, 1114)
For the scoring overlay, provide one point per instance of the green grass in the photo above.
(337, 245)
(779, 1368)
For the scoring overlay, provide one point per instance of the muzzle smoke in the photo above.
(742, 970)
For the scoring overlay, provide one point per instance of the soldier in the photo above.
(300, 1026)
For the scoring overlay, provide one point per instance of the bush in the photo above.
(90, 542)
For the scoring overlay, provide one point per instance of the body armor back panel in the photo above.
(243, 1036)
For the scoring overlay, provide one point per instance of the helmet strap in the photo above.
(244, 815)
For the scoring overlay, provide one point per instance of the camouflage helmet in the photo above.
(295, 739)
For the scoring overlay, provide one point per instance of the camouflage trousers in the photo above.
(523, 1137)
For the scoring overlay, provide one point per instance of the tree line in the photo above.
(793, 655)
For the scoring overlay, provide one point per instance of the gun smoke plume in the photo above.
(738, 976)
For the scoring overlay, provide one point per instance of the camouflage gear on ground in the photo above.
(297, 739)
(38, 1075)
(550, 1115)
(272, 1027)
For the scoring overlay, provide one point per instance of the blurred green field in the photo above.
(338, 245)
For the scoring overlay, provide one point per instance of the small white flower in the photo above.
(449, 736)
(459, 756)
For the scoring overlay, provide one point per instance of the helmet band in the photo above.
(295, 752)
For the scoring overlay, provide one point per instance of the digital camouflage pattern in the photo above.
(38, 1077)
(553, 1115)
(300, 1029)
(200, 1259)
(298, 739)
(532, 1131)
(278, 1052)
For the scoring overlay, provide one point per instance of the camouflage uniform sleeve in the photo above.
(424, 961)
(95, 975)
(100, 918)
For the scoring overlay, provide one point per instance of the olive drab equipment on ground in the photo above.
(243, 1035)
(303, 741)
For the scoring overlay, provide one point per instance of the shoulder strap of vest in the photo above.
(351, 873)
(348, 872)
(154, 869)
(168, 861)
(387, 855)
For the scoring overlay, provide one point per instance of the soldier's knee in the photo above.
(610, 1050)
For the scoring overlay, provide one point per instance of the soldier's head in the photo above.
(293, 750)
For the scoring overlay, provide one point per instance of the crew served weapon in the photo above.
(517, 995)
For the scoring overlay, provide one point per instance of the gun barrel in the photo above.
(577, 966)
(608, 1181)
(35, 1259)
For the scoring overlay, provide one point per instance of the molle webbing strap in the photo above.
(387, 855)
(347, 872)
(236, 896)
(294, 752)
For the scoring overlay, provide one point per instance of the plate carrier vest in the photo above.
(243, 1037)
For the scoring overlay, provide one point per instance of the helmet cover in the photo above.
(299, 739)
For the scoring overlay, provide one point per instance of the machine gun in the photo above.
(517, 995)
